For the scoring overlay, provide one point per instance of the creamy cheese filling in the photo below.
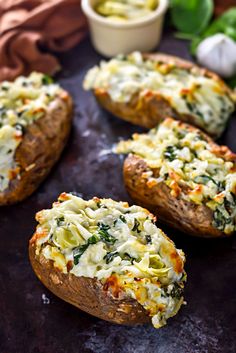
(117, 244)
(123, 10)
(187, 91)
(190, 167)
(21, 103)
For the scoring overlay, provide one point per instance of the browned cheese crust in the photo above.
(39, 150)
(148, 109)
(186, 216)
(87, 294)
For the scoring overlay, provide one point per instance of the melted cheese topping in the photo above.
(190, 167)
(21, 103)
(119, 245)
(187, 91)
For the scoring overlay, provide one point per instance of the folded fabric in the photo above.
(32, 30)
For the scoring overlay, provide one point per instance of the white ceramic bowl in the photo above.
(111, 38)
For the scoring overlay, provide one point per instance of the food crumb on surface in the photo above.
(105, 152)
(45, 299)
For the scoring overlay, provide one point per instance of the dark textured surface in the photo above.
(34, 320)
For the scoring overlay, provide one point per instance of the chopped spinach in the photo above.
(219, 221)
(46, 80)
(79, 250)
(127, 257)
(190, 106)
(19, 127)
(233, 198)
(193, 108)
(25, 83)
(105, 236)
(180, 135)
(21, 112)
(228, 206)
(98, 204)
(148, 239)
(176, 292)
(170, 153)
(221, 185)
(103, 226)
(122, 218)
(136, 226)
(4, 88)
(110, 256)
(60, 221)
(203, 179)
(93, 240)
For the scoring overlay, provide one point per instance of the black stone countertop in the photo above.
(32, 320)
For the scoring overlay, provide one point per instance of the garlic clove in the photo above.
(218, 53)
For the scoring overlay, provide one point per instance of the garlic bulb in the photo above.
(218, 53)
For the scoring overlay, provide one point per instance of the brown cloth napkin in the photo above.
(31, 29)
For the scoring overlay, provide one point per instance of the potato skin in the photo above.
(87, 294)
(149, 109)
(41, 146)
(186, 216)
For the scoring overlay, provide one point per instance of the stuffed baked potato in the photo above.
(144, 89)
(108, 259)
(178, 172)
(35, 120)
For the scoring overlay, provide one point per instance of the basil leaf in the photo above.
(191, 16)
(226, 24)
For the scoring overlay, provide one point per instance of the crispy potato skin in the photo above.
(41, 147)
(87, 294)
(149, 108)
(187, 216)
